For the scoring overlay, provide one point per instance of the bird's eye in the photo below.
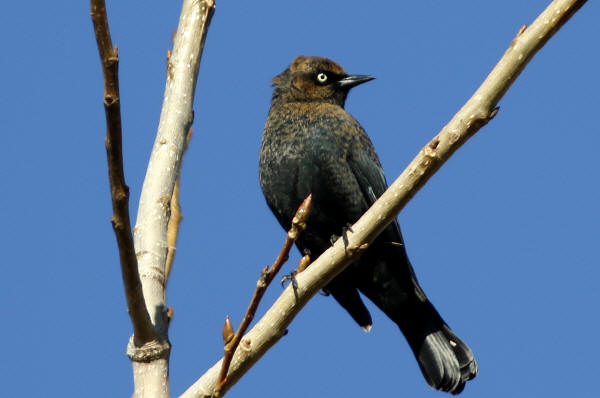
(321, 77)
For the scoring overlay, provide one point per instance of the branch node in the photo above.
(246, 344)
(493, 113)
(352, 250)
(522, 30)
(149, 351)
(433, 144)
(110, 100)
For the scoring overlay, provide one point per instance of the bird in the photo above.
(311, 145)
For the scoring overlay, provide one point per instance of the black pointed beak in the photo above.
(353, 80)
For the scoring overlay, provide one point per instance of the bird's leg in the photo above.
(345, 229)
(302, 265)
(333, 239)
(290, 277)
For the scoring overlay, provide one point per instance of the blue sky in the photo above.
(503, 238)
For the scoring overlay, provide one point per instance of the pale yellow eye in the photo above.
(322, 77)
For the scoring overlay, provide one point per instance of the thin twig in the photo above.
(266, 277)
(119, 191)
(480, 108)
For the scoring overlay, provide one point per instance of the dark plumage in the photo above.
(312, 145)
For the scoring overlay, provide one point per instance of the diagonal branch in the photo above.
(480, 108)
(119, 191)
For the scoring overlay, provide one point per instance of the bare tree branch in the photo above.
(119, 191)
(480, 108)
(266, 277)
(150, 362)
(175, 120)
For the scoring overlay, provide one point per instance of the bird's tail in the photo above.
(446, 361)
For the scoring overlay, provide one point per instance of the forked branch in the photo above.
(143, 269)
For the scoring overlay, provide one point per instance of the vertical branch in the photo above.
(176, 118)
(119, 191)
(150, 363)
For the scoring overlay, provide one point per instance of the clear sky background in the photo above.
(504, 239)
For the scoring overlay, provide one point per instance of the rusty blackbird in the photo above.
(312, 145)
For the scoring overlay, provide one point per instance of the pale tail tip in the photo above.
(367, 328)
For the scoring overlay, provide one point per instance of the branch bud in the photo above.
(299, 220)
(227, 331)
(303, 263)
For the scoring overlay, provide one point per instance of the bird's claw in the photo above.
(333, 239)
(345, 229)
(291, 277)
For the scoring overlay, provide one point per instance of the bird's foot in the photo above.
(291, 277)
(345, 229)
(347, 247)
(333, 239)
(302, 265)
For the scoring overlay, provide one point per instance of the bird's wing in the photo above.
(368, 174)
(370, 178)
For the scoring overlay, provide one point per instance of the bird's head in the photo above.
(315, 79)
